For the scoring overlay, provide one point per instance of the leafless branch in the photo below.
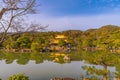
(35, 28)
(12, 14)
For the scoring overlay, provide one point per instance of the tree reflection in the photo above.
(23, 58)
(104, 59)
(37, 57)
(9, 57)
(1, 56)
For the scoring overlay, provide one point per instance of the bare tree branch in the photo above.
(2, 12)
(12, 15)
(12, 11)
(35, 27)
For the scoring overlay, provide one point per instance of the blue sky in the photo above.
(77, 14)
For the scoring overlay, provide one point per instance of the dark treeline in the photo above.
(105, 38)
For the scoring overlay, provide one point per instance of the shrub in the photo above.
(18, 77)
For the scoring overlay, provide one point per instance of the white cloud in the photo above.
(76, 22)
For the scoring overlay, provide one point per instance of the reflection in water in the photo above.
(23, 58)
(43, 66)
(40, 66)
(44, 71)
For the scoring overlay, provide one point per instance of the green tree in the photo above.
(88, 42)
(18, 77)
(23, 42)
(61, 42)
(79, 42)
(117, 72)
(103, 58)
(35, 46)
(10, 43)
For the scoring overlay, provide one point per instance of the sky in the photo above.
(77, 14)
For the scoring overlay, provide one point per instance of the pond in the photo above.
(43, 71)
(40, 66)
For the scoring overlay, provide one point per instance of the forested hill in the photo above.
(104, 30)
(105, 37)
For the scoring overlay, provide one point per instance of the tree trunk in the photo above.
(105, 72)
(104, 77)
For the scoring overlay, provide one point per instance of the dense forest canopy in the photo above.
(105, 38)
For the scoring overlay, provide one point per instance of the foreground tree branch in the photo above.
(12, 14)
(2, 12)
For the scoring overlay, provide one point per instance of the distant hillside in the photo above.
(108, 28)
(90, 30)
(79, 31)
(103, 31)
